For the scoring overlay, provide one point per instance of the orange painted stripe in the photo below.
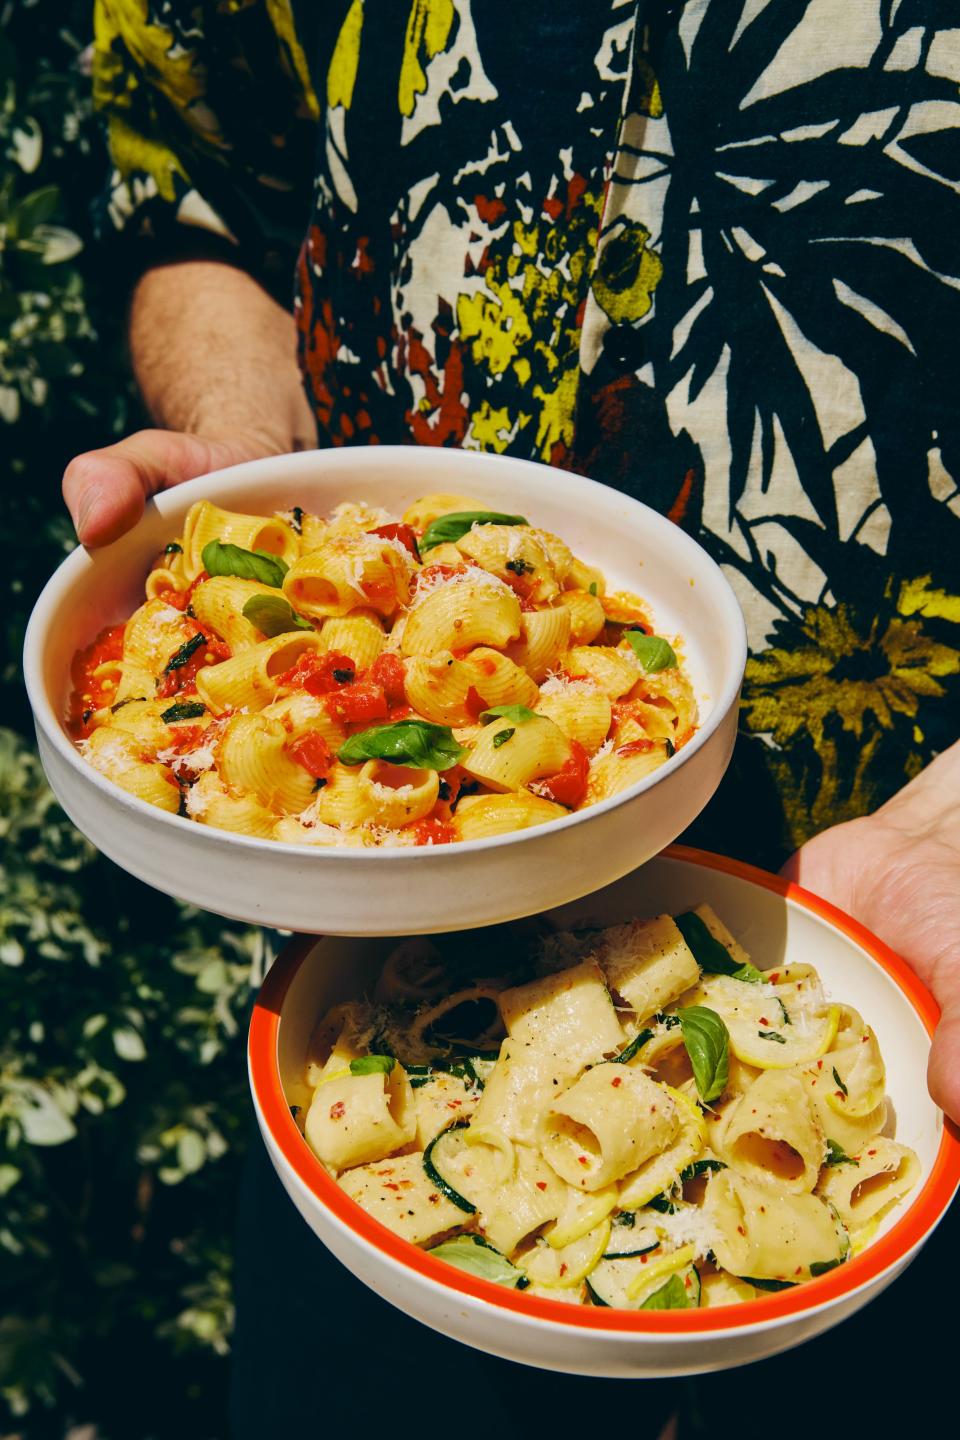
(923, 1213)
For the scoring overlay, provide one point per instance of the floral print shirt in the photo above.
(707, 252)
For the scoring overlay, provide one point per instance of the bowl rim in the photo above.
(923, 1214)
(59, 584)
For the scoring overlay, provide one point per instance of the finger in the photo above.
(943, 1071)
(105, 490)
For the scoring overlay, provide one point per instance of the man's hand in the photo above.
(215, 359)
(898, 871)
(105, 489)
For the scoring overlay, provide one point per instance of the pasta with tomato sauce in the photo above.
(362, 681)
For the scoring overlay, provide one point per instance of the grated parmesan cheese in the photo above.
(689, 1225)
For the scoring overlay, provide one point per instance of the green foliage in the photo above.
(123, 1101)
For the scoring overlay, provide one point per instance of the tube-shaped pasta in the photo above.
(606, 1125)
(586, 615)
(359, 635)
(350, 570)
(428, 508)
(250, 678)
(662, 1170)
(480, 816)
(582, 712)
(581, 576)
(774, 1136)
(206, 522)
(509, 756)
(516, 550)
(762, 1234)
(850, 1132)
(395, 794)
(357, 515)
(613, 671)
(648, 962)
(118, 755)
(252, 759)
(876, 1179)
(473, 610)
(863, 1075)
(313, 532)
(300, 713)
(544, 637)
(219, 603)
(566, 1015)
(616, 770)
(354, 1119)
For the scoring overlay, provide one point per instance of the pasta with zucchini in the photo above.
(354, 680)
(576, 1119)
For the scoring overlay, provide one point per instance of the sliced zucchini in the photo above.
(433, 1163)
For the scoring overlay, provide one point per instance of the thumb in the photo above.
(105, 490)
(943, 1071)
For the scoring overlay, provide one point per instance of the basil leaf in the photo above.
(372, 1065)
(653, 652)
(839, 1083)
(220, 559)
(501, 737)
(593, 588)
(708, 952)
(701, 1167)
(519, 714)
(672, 1296)
(296, 519)
(272, 615)
(478, 1257)
(448, 529)
(186, 710)
(183, 655)
(708, 1045)
(772, 1035)
(820, 1267)
(417, 743)
(784, 1012)
(636, 1044)
(836, 1155)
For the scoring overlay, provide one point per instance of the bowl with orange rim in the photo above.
(779, 924)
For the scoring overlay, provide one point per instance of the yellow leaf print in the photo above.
(342, 73)
(428, 29)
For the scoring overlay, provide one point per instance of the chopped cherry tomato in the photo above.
(319, 674)
(637, 747)
(522, 586)
(387, 670)
(313, 753)
(182, 678)
(184, 738)
(569, 785)
(433, 832)
(180, 599)
(432, 574)
(404, 533)
(358, 704)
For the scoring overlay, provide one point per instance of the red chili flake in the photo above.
(616, 1083)
(799, 1270)
(405, 1184)
(582, 1160)
(541, 1184)
(337, 1110)
(740, 1230)
(433, 1199)
(653, 1109)
(819, 1064)
(391, 1186)
(764, 1020)
(871, 1152)
(643, 1259)
(864, 1039)
(454, 1104)
(763, 1209)
(839, 1094)
(563, 1268)
(687, 1282)
(774, 977)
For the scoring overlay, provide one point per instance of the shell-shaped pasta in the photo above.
(219, 603)
(133, 682)
(358, 635)
(341, 802)
(354, 1119)
(437, 687)
(250, 678)
(206, 521)
(764, 1234)
(210, 803)
(586, 616)
(153, 634)
(479, 816)
(396, 795)
(461, 614)
(544, 637)
(252, 759)
(508, 756)
(607, 1125)
(118, 755)
(615, 672)
(498, 680)
(445, 554)
(163, 578)
(583, 713)
(428, 508)
(349, 569)
(581, 576)
(516, 549)
(300, 713)
(141, 719)
(617, 770)
(623, 608)
(561, 556)
(774, 1135)
(672, 692)
(641, 719)
(882, 1174)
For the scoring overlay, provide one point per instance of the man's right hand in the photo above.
(105, 490)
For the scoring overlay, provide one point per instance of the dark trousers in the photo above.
(318, 1354)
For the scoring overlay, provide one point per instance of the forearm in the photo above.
(215, 356)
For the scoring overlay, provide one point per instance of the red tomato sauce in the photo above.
(180, 599)
(182, 679)
(433, 831)
(92, 692)
(569, 785)
(313, 753)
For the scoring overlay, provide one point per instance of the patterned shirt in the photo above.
(706, 252)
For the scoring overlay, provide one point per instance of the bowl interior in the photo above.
(638, 549)
(775, 930)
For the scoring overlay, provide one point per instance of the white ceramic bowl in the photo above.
(398, 891)
(778, 923)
